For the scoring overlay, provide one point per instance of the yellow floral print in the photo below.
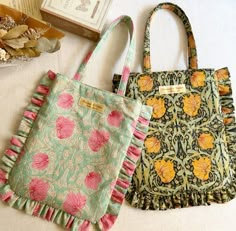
(158, 105)
(228, 121)
(145, 83)
(226, 110)
(165, 170)
(198, 79)
(152, 144)
(147, 61)
(192, 104)
(222, 74)
(223, 90)
(206, 141)
(202, 168)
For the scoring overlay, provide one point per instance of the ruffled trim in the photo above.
(35, 208)
(148, 201)
(124, 178)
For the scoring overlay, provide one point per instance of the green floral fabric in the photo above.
(188, 155)
(74, 154)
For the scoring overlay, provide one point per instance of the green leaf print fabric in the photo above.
(188, 157)
(74, 154)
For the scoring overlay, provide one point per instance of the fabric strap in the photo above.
(192, 52)
(129, 58)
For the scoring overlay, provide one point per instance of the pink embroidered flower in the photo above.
(92, 180)
(107, 221)
(115, 118)
(3, 178)
(38, 189)
(64, 127)
(40, 161)
(98, 139)
(74, 203)
(65, 100)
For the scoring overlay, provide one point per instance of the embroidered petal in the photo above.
(40, 161)
(98, 139)
(64, 127)
(165, 170)
(74, 203)
(202, 168)
(65, 101)
(115, 118)
(38, 189)
(93, 180)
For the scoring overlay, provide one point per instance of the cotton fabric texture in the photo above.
(74, 153)
(188, 157)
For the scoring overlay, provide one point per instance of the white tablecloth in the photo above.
(214, 25)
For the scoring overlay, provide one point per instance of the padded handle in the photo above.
(129, 58)
(192, 52)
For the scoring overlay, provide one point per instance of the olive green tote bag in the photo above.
(188, 157)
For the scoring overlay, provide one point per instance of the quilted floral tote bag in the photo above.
(74, 153)
(188, 157)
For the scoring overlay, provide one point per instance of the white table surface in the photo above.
(214, 25)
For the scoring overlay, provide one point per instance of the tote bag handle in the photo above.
(192, 51)
(129, 58)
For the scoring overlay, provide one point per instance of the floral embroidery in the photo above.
(65, 100)
(40, 161)
(3, 178)
(93, 180)
(152, 144)
(98, 139)
(165, 170)
(202, 168)
(64, 127)
(115, 118)
(158, 105)
(145, 83)
(38, 189)
(192, 104)
(198, 79)
(74, 203)
(206, 141)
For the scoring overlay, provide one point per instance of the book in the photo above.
(83, 17)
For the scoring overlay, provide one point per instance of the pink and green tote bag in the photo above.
(73, 156)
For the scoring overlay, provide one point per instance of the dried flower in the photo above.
(20, 41)
(3, 55)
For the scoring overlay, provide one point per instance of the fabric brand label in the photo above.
(172, 89)
(91, 105)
